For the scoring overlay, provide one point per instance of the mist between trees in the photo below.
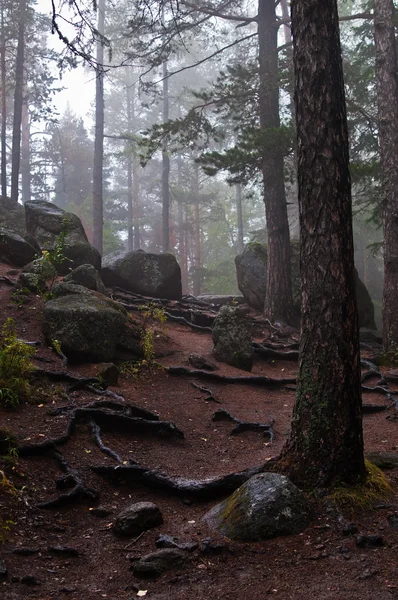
(193, 125)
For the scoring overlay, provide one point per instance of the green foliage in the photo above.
(8, 445)
(15, 366)
(5, 527)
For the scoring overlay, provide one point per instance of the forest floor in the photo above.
(321, 563)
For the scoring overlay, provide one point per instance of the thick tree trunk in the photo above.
(238, 191)
(387, 100)
(326, 444)
(3, 107)
(279, 300)
(18, 101)
(197, 279)
(25, 153)
(130, 126)
(98, 209)
(165, 168)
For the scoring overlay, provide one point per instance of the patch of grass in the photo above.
(8, 445)
(363, 496)
(15, 365)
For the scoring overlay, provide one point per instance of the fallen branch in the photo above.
(224, 415)
(251, 380)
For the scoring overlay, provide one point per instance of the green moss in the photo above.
(363, 496)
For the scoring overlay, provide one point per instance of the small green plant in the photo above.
(15, 365)
(8, 445)
(5, 527)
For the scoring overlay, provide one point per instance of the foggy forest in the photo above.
(198, 299)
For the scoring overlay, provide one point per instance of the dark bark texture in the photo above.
(98, 209)
(279, 300)
(326, 444)
(387, 100)
(18, 101)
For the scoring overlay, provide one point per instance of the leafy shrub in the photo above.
(15, 365)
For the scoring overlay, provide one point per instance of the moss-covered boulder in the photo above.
(87, 276)
(89, 326)
(37, 275)
(45, 222)
(145, 273)
(15, 250)
(232, 338)
(251, 273)
(267, 505)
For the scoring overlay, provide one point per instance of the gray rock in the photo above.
(12, 216)
(200, 362)
(14, 249)
(3, 569)
(266, 506)
(232, 338)
(169, 541)
(87, 276)
(108, 372)
(156, 563)
(149, 274)
(383, 460)
(251, 273)
(137, 518)
(369, 541)
(89, 326)
(45, 222)
(36, 275)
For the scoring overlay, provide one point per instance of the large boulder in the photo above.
(251, 273)
(15, 249)
(12, 216)
(37, 276)
(266, 506)
(89, 326)
(145, 273)
(232, 338)
(46, 223)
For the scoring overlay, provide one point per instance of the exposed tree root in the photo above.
(68, 377)
(210, 396)
(368, 409)
(48, 445)
(265, 428)
(251, 379)
(96, 431)
(207, 489)
(267, 352)
(78, 490)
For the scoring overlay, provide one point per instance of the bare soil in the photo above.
(320, 564)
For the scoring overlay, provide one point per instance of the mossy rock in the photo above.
(232, 338)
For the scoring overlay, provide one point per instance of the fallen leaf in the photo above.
(142, 593)
(41, 435)
(87, 451)
(40, 405)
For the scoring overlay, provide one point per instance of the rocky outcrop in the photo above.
(251, 273)
(89, 326)
(87, 276)
(232, 338)
(37, 275)
(12, 216)
(266, 506)
(145, 273)
(45, 222)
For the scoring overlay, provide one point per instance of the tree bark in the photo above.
(98, 209)
(387, 100)
(326, 444)
(197, 279)
(3, 107)
(238, 191)
(165, 168)
(25, 151)
(18, 101)
(279, 299)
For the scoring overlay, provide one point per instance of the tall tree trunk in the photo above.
(130, 125)
(197, 279)
(279, 300)
(181, 228)
(326, 444)
(165, 168)
(238, 192)
(387, 100)
(25, 154)
(18, 101)
(3, 106)
(98, 208)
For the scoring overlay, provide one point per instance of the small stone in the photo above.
(108, 372)
(30, 580)
(25, 551)
(200, 362)
(368, 573)
(369, 541)
(137, 518)
(168, 541)
(156, 563)
(349, 529)
(3, 569)
(210, 547)
(100, 511)
(65, 551)
(393, 520)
